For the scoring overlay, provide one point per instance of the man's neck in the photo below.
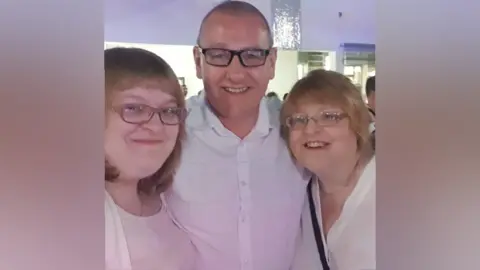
(240, 126)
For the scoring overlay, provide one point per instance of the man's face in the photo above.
(234, 90)
(185, 90)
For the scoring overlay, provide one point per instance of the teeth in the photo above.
(236, 90)
(315, 144)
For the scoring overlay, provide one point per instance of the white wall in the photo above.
(286, 72)
(160, 21)
(180, 59)
(177, 21)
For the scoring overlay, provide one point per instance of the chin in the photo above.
(139, 173)
(144, 174)
(315, 168)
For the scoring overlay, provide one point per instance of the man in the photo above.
(185, 90)
(237, 192)
(370, 91)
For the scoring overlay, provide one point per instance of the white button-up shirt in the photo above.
(350, 243)
(239, 200)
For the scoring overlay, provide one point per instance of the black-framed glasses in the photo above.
(140, 114)
(223, 57)
(325, 118)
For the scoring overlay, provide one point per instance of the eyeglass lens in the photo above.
(139, 114)
(223, 57)
(323, 119)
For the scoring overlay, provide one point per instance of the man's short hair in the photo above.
(237, 8)
(370, 85)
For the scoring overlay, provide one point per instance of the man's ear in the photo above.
(272, 61)
(197, 57)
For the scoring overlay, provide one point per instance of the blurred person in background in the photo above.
(274, 103)
(194, 100)
(326, 125)
(145, 112)
(370, 90)
(185, 90)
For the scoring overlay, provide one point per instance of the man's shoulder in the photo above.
(195, 117)
(192, 101)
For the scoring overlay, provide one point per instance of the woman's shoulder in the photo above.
(109, 204)
(181, 250)
(371, 168)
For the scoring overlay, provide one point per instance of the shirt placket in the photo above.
(244, 234)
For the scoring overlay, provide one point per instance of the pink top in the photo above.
(156, 243)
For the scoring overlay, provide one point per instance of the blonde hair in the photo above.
(329, 88)
(126, 68)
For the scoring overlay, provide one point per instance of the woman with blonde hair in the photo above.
(326, 126)
(145, 113)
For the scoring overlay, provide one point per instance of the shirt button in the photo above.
(243, 183)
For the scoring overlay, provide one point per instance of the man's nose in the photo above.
(236, 71)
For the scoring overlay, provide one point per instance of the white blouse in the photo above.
(350, 243)
(145, 243)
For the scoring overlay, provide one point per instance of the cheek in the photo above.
(261, 76)
(295, 143)
(346, 139)
(117, 130)
(114, 138)
(172, 133)
(212, 75)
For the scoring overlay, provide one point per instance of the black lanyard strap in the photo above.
(316, 228)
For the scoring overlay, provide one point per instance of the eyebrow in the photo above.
(170, 101)
(329, 110)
